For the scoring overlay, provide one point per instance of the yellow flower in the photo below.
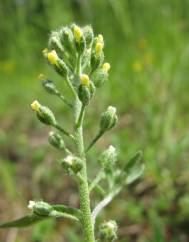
(98, 48)
(137, 66)
(77, 33)
(106, 67)
(52, 57)
(35, 106)
(85, 81)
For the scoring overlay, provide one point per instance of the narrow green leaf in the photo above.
(134, 168)
(135, 173)
(132, 162)
(22, 222)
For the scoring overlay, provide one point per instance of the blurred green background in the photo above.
(147, 44)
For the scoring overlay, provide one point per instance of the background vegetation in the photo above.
(147, 44)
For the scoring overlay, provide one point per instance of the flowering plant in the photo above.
(77, 56)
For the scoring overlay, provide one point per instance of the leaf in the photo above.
(134, 168)
(23, 222)
(132, 162)
(64, 211)
(135, 173)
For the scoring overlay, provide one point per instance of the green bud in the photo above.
(50, 87)
(96, 60)
(80, 43)
(101, 75)
(89, 35)
(67, 39)
(40, 208)
(108, 119)
(71, 164)
(44, 114)
(84, 94)
(108, 231)
(108, 158)
(61, 68)
(54, 42)
(86, 90)
(56, 140)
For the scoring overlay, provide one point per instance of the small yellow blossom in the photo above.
(106, 67)
(35, 106)
(85, 80)
(77, 33)
(98, 48)
(52, 57)
(137, 66)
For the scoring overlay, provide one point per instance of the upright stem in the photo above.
(88, 227)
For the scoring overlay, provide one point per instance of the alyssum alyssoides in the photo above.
(77, 55)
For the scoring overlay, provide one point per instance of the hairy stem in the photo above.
(97, 179)
(57, 126)
(88, 228)
(105, 202)
(94, 140)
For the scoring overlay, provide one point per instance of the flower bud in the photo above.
(108, 158)
(79, 39)
(54, 42)
(86, 90)
(44, 114)
(56, 62)
(108, 231)
(71, 164)
(48, 85)
(108, 119)
(52, 57)
(96, 60)
(106, 67)
(62, 68)
(85, 80)
(67, 39)
(56, 140)
(40, 208)
(101, 75)
(89, 35)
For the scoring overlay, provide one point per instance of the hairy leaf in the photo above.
(23, 222)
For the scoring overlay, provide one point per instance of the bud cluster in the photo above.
(108, 231)
(71, 164)
(108, 159)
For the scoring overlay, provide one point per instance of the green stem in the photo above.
(95, 140)
(71, 86)
(81, 115)
(64, 100)
(57, 126)
(97, 179)
(88, 228)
